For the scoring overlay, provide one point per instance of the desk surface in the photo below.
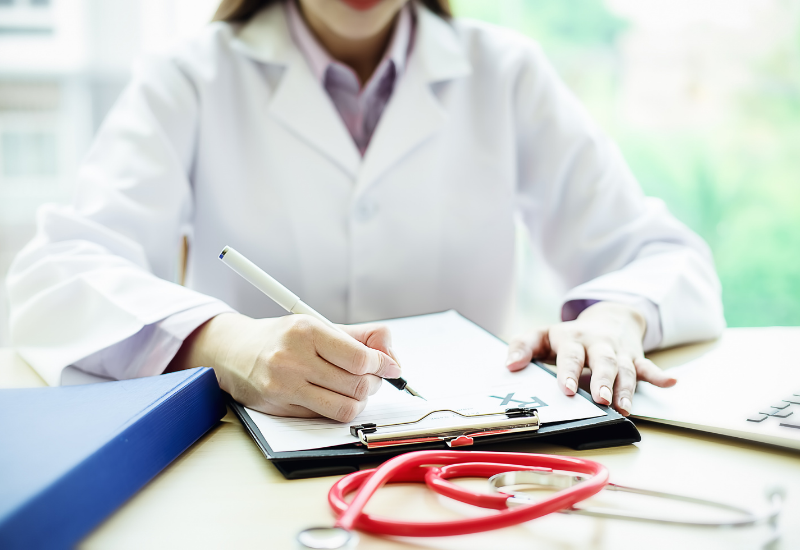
(223, 493)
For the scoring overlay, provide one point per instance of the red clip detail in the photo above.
(460, 441)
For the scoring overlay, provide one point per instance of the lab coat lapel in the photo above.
(414, 113)
(412, 116)
(304, 107)
(300, 103)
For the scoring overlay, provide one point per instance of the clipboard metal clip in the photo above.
(458, 434)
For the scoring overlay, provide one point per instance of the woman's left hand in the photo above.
(607, 338)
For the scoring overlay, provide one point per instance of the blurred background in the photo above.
(703, 97)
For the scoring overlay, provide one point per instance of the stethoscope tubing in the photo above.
(748, 518)
(418, 467)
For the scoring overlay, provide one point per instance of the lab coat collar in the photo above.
(438, 48)
(414, 113)
(301, 104)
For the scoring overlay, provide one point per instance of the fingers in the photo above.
(347, 353)
(603, 362)
(649, 372)
(325, 375)
(522, 349)
(569, 362)
(317, 388)
(295, 411)
(372, 335)
(310, 386)
(330, 404)
(625, 384)
(375, 336)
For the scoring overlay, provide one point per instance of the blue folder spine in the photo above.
(70, 508)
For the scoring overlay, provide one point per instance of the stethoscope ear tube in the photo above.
(510, 482)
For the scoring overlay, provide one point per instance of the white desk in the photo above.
(223, 493)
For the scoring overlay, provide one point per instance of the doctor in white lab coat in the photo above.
(246, 136)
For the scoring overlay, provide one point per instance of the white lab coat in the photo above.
(231, 141)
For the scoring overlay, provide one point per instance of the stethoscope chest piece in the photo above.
(327, 538)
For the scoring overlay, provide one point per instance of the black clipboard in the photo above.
(610, 430)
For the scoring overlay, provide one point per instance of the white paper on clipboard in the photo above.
(455, 365)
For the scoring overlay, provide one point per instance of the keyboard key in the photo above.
(793, 400)
(768, 411)
(757, 417)
(788, 425)
(780, 406)
(782, 414)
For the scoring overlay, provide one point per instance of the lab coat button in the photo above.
(366, 210)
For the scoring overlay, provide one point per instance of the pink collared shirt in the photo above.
(360, 107)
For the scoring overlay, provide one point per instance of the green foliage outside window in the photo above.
(732, 175)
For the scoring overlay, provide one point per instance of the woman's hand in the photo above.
(607, 338)
(293, 365)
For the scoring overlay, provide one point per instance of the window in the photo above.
(28, 154)
(703, 98)
(25, 17)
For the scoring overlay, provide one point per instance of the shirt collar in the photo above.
(318, 57)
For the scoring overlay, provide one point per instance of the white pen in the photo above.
(286, 298)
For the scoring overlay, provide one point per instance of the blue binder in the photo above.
(69, 456)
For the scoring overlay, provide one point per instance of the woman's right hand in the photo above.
(293, 365)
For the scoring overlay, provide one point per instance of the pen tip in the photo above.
(409, 390)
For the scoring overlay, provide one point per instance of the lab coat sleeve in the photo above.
(99, 271)
(149, 351)
(584, 208)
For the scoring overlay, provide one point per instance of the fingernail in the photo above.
(571, 385)
(392, 370)
(625, 404)
(393, 355)
(605, 393)
(514, 357)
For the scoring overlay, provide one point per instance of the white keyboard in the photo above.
(729, 387)
(786, 413)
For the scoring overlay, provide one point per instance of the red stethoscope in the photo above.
(435, 468)
(577, 479)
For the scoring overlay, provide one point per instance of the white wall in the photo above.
(62, 66)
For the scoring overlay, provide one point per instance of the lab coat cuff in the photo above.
(173, 330)
(648, 309)
(149, 351)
